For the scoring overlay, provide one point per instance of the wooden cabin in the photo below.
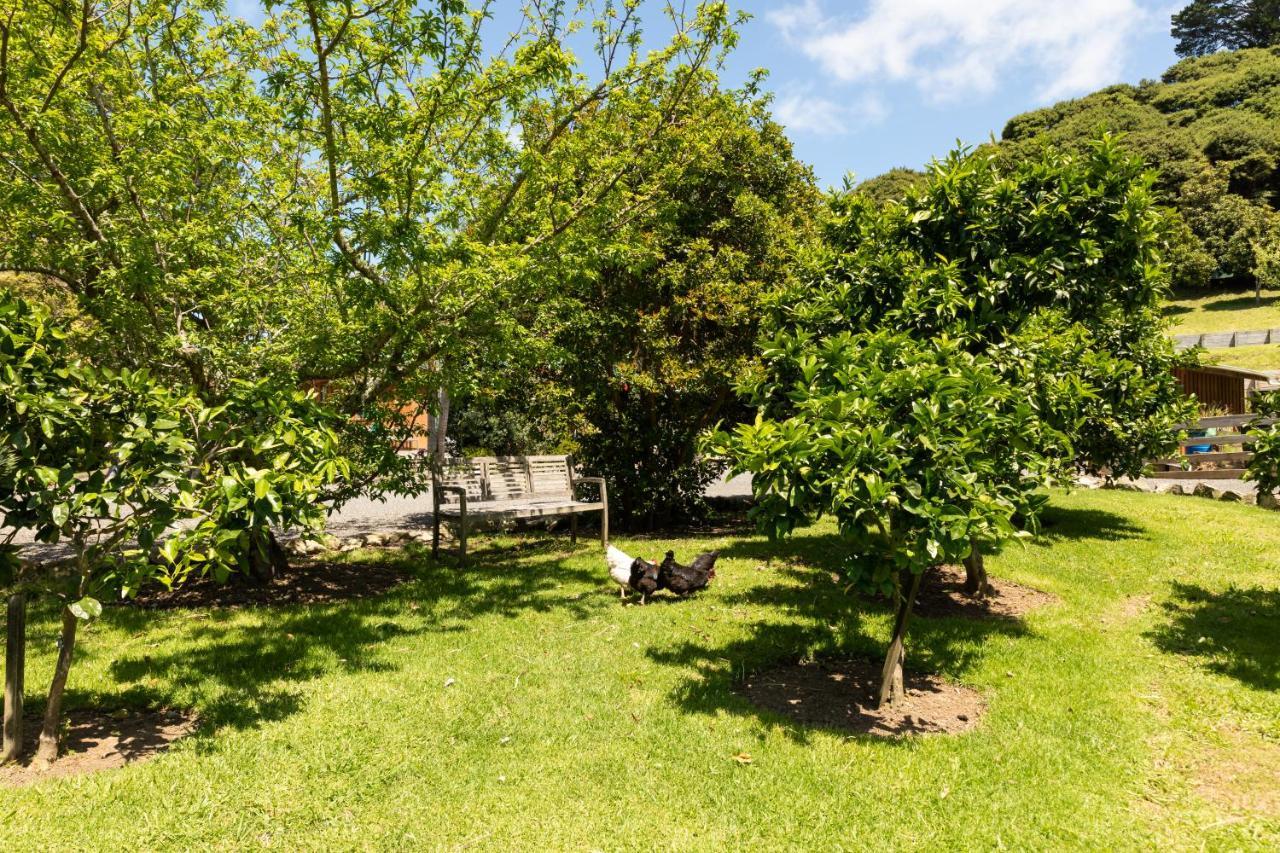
(1220, 388)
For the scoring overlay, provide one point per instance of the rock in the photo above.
(1229, 496)
(1176, 489)
(1267, 501)
(1204, 491)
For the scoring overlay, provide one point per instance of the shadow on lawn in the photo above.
(1241, 303)
(1058, 523)
(947, 647)
(240, 675)
(1232, 632)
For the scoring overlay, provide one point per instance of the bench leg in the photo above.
(462, 539)
(573, 528)
(604, 526)
(435, 533)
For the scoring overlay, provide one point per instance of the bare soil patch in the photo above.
(942, 594)
(841, 694)
(100, 740)
(1242, 776)
(303, 583)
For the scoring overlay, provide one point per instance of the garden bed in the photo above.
(841, 694)
(318, 582)
(100, 740)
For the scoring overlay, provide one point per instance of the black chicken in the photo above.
(685, 580)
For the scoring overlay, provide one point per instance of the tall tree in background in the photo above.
(1207, 26)
(355, 193)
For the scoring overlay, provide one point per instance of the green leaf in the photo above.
(86, 609)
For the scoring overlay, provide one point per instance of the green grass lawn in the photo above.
(1266, 357)
(1142, 710)
(1209, 310)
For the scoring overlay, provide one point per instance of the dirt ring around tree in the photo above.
(304, 582)
(942, 594)
(95, 740)
(841, 694)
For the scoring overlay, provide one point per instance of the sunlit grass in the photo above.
(1213, 310)
(516, 704)
(1266, 357)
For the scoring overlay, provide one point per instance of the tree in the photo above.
(943, 358)
(359, 194)
(1207, 127)
(1206, 26)
(141, 483)
(645, 343)
(908, 444)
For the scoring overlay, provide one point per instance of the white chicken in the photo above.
(630, 573)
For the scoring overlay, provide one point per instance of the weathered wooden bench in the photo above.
(501, 488)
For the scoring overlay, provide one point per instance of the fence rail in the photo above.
(1228, 456)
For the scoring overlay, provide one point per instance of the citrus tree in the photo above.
(139, 483)
(909, 445)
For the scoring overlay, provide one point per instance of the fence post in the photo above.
(15, 662)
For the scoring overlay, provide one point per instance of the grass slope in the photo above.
(1141, 710)
(1201, 311)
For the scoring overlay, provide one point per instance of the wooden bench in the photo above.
(499, 488)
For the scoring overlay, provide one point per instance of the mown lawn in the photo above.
(1141, 710)
(1265, 357)
(1211, 310)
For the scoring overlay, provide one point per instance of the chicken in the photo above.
(632, 573)
(685, 580)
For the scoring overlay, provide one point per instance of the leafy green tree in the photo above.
(358, 194)
(141, 484)
(1206, 26)
(943, 358)
(893, 185)
(646, 343)
(1264, 467)
(1208, 127)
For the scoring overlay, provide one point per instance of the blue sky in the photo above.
(865, 85)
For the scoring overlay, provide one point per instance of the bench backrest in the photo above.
(506, 478)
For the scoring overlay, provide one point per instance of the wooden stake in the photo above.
(15, 662)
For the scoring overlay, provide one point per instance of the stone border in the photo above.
(1203, 490)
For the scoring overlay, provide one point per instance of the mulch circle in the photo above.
(97, 740)
(303, 583)
(841, 694)
(942, 594)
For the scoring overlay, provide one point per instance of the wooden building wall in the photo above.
(1213, 390)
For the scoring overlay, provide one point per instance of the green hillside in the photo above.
(1211, 127)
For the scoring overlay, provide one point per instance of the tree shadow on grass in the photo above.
(1059, 523)
(239, 671)
(1241, 303)
(1232, 632)
(834, 626)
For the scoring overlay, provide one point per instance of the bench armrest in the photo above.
(599, 481)
(438, 490)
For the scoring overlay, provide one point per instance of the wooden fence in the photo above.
(1228, 454)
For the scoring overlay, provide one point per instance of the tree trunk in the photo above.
(975, 573)
(267, 557)
(47, 749)
(14, 670)
(437, 444)
(891, 685)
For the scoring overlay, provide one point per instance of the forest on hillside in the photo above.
(1210, 127)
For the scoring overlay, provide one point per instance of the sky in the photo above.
(866, 85)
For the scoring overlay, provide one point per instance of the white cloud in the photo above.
(804, 112)
(951, 49)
